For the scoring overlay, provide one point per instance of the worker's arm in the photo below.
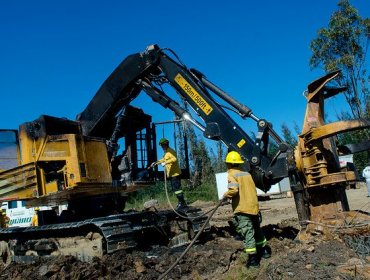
(170, 157)
(232, 186)
(161, 160)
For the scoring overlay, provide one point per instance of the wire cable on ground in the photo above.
(349, 224)
(336, 226)
(191, 243)
(364, 207)
(360, 243)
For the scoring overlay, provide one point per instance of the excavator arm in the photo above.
(148, 71)
(311, 168)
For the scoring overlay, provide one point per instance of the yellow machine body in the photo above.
(56, 168)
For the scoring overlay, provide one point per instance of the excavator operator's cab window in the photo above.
(8, 149)
(134, 141)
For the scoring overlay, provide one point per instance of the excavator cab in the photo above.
(52, 163)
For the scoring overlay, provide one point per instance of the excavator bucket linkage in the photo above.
(321, 192)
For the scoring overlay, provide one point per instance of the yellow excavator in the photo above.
(52, 161)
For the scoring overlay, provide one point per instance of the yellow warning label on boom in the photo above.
(241, 143)
(193, 94)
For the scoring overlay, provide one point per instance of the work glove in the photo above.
(151, 165)
(163, 163)
(260, 217)
(224, 200)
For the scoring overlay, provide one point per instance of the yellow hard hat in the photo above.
(37, 209)
(234, 157)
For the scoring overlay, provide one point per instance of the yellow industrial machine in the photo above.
(51, 166)
(80, 163)
(56, 164)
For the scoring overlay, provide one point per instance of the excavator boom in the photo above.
(147, 71)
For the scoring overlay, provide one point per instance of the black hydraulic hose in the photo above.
(191, 243)
(243, 109)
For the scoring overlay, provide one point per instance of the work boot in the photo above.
(182, 204)
(253, 260)
(238, 237)
(264, 252)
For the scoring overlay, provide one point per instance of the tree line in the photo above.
(342, 45)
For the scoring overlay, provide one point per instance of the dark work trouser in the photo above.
(248, 226)
(176, 188)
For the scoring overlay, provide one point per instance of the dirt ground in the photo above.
(218, 255)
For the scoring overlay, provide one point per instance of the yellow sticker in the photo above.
(199, 100)
(241, 143)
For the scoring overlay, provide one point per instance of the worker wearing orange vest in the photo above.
(172, 169)
(242, 191)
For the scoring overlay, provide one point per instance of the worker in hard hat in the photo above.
(172, 169)
(242, 191)
(4, 219)
(35, 217)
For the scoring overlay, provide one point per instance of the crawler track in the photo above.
(98, 236)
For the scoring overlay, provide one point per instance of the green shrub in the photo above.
(204, 192)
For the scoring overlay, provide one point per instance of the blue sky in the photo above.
(55, 54)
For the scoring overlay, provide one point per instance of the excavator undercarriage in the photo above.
(98, 236)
